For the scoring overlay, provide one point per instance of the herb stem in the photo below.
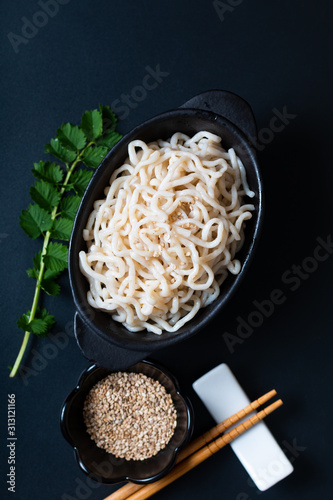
(42, 264)
(20, 354)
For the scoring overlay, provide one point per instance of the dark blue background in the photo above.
(273, 54)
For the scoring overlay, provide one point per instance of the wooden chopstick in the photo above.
(193, 460)
(129, 489)
(208, 436)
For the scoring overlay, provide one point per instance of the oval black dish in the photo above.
(105, 467)
(106, 341)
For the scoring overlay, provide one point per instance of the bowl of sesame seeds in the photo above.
(127, 425)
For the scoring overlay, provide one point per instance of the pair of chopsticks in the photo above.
(200, 449)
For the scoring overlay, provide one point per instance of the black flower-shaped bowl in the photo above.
(105, 467)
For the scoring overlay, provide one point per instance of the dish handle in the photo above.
(228, 105)
(105, 354)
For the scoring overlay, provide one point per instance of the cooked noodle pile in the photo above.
(165, 237)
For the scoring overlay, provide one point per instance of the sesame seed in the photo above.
(130, 415)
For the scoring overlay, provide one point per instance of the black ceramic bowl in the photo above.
(106, 341)
(105, 467)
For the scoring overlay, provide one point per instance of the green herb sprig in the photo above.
(56, 196)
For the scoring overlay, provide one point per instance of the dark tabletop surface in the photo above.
(278, 57)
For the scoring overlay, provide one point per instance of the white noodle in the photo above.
(164, 239)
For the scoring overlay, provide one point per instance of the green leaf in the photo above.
(69, 206)
(46, 317)
(56, 149)
(93, 156)
(48, 172)
(23, 322)
(56, 257)
(32, 272)
(45, 195)
(49, 274)
(92, 124)
(62, 229)
(109, 118)
(50, 287)
(34, 221)
(48, 283)
(37, 259)
(109, 139)
(49, 277)
(80, 181)
(71, 136)
(40, 325)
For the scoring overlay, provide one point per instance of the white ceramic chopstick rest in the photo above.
(257, 449)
